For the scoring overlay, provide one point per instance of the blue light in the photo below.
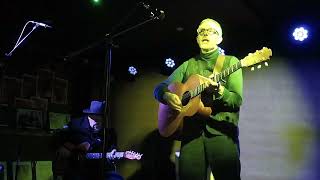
(300, 34)
(221, 51)
(132, 70)
(170, 62)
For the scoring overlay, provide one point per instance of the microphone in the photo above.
(155, 13)
(41, 24)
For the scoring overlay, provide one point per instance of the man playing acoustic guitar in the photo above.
(208, 137)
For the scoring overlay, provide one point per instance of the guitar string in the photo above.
(193, 93)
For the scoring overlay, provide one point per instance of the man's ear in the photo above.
(219, 40)
(197, 38)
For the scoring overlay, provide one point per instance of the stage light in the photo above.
(221, 51)
(132, 70)
(170, 63)
(96, 2)
(300, 34)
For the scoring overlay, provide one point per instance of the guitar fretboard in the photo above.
(227, 72)
(117, 155)
(199, 89)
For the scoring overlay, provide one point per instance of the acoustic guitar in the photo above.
(169, 120)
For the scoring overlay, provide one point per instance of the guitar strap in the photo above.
(219, 64)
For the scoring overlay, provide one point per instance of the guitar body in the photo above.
(169, 120)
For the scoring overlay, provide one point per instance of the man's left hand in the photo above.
(207, 81)
(112, 156)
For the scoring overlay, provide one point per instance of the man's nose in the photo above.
(205, 33)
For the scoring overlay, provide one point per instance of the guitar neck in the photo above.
(217, 78)
(118, 155)
(227, 72)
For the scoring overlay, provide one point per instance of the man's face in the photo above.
(208, 38)
(98, 121)
(97, 118)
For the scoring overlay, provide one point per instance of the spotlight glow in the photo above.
(132, 70)
(300, 34)
(170, 62)
(96, 2)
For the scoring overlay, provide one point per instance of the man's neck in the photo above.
(206, 51)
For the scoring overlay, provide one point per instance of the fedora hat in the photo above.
(96, 107)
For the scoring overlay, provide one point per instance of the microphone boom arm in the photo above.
(19, 42)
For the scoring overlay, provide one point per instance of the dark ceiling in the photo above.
(248, 25)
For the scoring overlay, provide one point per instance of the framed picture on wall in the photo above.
(58, 120)
(45, 83)
(60, 91)
(30, 118)
(7, 116)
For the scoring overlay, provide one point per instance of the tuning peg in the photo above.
(266, 64)
(259, 66)
(252, 68)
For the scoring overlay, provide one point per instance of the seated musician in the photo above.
(81, 136)
(83, 133)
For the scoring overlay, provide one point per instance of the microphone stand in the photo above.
(18, 41)
(7, 55)
(19, 149)
(107, 72)
(2, 71)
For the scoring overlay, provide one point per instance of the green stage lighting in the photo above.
(96, 1)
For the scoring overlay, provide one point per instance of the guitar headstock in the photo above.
(132, 155)
(257, 57)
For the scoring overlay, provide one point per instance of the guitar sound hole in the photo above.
(185, 98)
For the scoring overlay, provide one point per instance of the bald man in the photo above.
(207, 141)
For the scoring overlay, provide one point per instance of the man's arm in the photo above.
(163, 95)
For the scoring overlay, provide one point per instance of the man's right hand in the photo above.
(173, 101)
